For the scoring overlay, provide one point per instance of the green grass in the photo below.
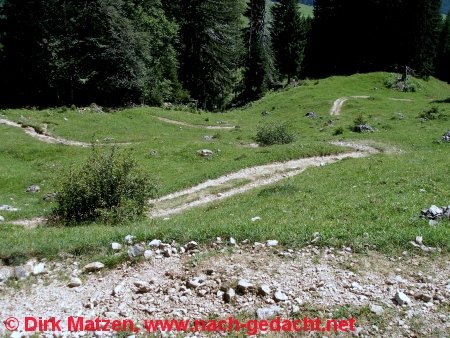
(365, 203)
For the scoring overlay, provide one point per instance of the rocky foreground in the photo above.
(405, 296)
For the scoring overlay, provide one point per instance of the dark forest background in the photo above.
(214, 53)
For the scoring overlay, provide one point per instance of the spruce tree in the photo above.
(211, 49)
(258, 60)
(289, 32)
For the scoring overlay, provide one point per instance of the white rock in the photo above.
(267, 312)
(191, 245)
(205, 152)
(280, 297)
(402, 299)
(232, 241)
(264, 290)
(272, 242)
(244, 286)
(74, 282)
(39, 269)
(256, 218)
(156, 243)
(435, 210)
(116, 246)
(229, 295)
(129, 239)
(92, 267)
(432, 223)
(5, 273)
(378, 310)
(195, 282)
(142, 287)
(419, 240)
(2, 219)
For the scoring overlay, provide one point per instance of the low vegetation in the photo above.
(107, 188)
(275, 133)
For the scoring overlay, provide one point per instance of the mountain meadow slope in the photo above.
(372, 202)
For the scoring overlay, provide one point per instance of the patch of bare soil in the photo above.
(339, 103)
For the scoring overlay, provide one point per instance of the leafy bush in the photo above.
(432, 114)
(107, 188)
(338, 131)
(270, 134)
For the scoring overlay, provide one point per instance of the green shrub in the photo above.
(108, 188)
(270, 134)
(403, 84)
(338, 131)
(433, 114)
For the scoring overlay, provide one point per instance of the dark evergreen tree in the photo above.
(258, 59)
(443, 52)
(289, 32)
(211, 49)
(105, 51)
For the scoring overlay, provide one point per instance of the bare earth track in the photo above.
(339, 103)
(258, 177)
(180, 123)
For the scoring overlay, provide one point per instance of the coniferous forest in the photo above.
(214, 53)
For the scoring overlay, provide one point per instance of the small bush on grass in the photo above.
(270, 134)
(107, 188)
(433, 114)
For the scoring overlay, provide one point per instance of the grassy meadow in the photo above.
(369, 203)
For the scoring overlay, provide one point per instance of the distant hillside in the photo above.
(444, 9)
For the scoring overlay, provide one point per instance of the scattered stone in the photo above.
(93, 267)
(264, 290)
(419, 240)
(267, 312)
(378, 310)
(401, 298)
(272, 243)
(142, 287)
(136, 251)
(153, 153)
(156, 243)
(20, 273)
(6, 273)
(432, 223)
(311, 115)
(192, 245)
(363, 128)
(244, 286)
(257, 218)
(315, 237)
(39, 269)
(209, 138)
(446, 137)
(8, 208)
(129, 239)
(205, 153)
(435, 213)
(232, 241)
(280, 297)
(116, 246)
(2, 219)
(229, 295)
(195, 282)
(33, 188)
(74, 282)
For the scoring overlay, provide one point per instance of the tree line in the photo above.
(213, 53)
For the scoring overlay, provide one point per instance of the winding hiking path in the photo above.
(163, 119)
(339, 103)
(51, 139)
(257, 176)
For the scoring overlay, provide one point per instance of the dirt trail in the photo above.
(163, 119)
(339, 103)
(51, 139)
(258, 176)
